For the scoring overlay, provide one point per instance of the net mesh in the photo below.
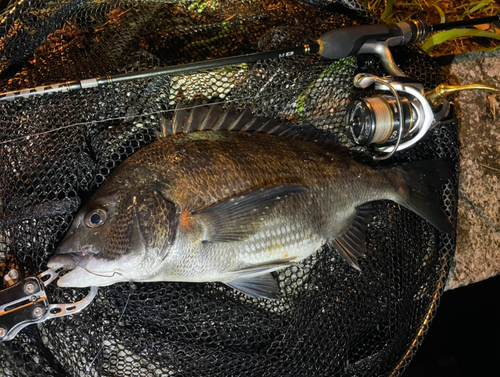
(56, 150)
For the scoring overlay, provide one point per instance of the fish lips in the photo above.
(68, 260)
(81, 265)
(67, 257)
(73, 261)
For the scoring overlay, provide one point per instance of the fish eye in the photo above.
(96, 218)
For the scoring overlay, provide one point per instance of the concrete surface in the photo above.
(478, 233)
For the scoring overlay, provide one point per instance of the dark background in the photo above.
(464, 338)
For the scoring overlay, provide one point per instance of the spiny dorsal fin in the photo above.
(245, 117)
(194, 119)
(214, 118)
(267, 126)
(253, 124)
(228, 117)
(211, 118)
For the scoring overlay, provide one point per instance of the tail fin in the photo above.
(423, 179)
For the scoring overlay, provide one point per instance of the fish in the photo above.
(230, 197)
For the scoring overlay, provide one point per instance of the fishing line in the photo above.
(101, 275)
(112, 331)
(93, 122)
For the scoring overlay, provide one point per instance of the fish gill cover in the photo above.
(56, 150)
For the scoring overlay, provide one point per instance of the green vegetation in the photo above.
(483, 37)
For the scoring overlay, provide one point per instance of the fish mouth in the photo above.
(80, 277)
(67, 260)
(83, 269)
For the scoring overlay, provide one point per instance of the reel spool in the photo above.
(372, 120)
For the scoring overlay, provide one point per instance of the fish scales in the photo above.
(232, 207)
(202, 172)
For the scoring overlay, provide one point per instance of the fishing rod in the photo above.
(334, 44)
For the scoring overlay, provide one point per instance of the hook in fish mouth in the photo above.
(102, 275)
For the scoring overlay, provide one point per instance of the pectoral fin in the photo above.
(352, 244)
(236, 218)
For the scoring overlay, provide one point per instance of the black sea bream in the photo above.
(230, 198)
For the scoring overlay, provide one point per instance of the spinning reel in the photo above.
(399, 118)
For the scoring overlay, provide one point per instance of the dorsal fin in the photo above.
(214, 118)
(194, 119)
(267, 126)
(241, 121)
(254, 124)
(228, 117)
(180, 117)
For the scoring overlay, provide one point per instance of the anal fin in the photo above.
(352, 244)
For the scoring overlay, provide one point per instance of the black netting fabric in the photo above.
(57, 149)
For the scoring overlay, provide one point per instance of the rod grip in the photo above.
(343, 42)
